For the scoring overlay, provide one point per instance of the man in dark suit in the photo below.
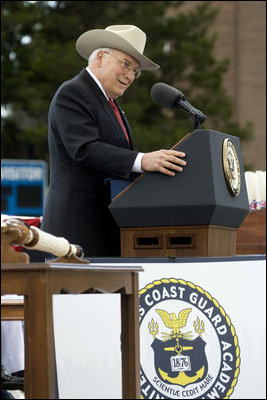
(90, 140)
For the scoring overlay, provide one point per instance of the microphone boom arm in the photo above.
(195, 115)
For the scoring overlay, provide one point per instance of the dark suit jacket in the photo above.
(86, 146)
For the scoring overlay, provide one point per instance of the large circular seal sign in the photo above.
(189, 347)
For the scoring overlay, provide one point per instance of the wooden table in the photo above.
(38, 282)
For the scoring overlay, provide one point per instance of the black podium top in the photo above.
(197, 196)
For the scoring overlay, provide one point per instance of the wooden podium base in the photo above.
(178, 241)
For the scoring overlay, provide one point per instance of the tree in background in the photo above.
(38, 54)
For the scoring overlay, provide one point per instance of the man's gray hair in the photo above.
(93, 55)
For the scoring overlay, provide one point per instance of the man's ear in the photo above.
(100, 56)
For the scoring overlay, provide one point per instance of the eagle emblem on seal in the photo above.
(179, 359)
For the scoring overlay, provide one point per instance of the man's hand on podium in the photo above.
(164, 161)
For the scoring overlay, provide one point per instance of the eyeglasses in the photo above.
(127, 66)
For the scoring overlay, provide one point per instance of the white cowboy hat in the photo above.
(127, 38)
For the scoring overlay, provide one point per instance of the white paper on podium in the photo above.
(87, 331)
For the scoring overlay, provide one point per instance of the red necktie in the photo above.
(117, 113)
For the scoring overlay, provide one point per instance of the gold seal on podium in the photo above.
(231, 167)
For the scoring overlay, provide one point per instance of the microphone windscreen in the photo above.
(166, 95)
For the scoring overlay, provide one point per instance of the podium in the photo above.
(195, 213)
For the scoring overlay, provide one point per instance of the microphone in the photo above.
(170, 97)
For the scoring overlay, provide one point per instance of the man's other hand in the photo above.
(164, 161)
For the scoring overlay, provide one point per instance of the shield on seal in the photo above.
(189, 365)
